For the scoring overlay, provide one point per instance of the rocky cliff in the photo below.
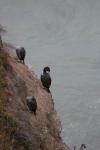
(19, 128)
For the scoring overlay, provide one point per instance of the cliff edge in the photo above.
(19, 128)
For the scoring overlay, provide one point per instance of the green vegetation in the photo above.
(44, 142)
(21, 141)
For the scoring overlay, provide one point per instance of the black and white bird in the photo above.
(31, 103)
(21, 53)
(46, 79)
(83, 146)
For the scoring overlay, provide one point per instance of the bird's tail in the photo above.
(35, 113)
(47, 89)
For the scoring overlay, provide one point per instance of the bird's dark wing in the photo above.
(46, 80)
(22, 53)
(18, 53)
(49, 80)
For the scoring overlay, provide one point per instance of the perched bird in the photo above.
(83, 146)
(1, 43)
(20, 51)
(74, 147)
(46, 79)
(31, 103)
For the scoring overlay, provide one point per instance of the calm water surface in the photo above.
(64, 34)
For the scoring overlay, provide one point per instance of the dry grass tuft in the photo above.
(3, 82)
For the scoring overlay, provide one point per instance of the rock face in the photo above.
(42, 132)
